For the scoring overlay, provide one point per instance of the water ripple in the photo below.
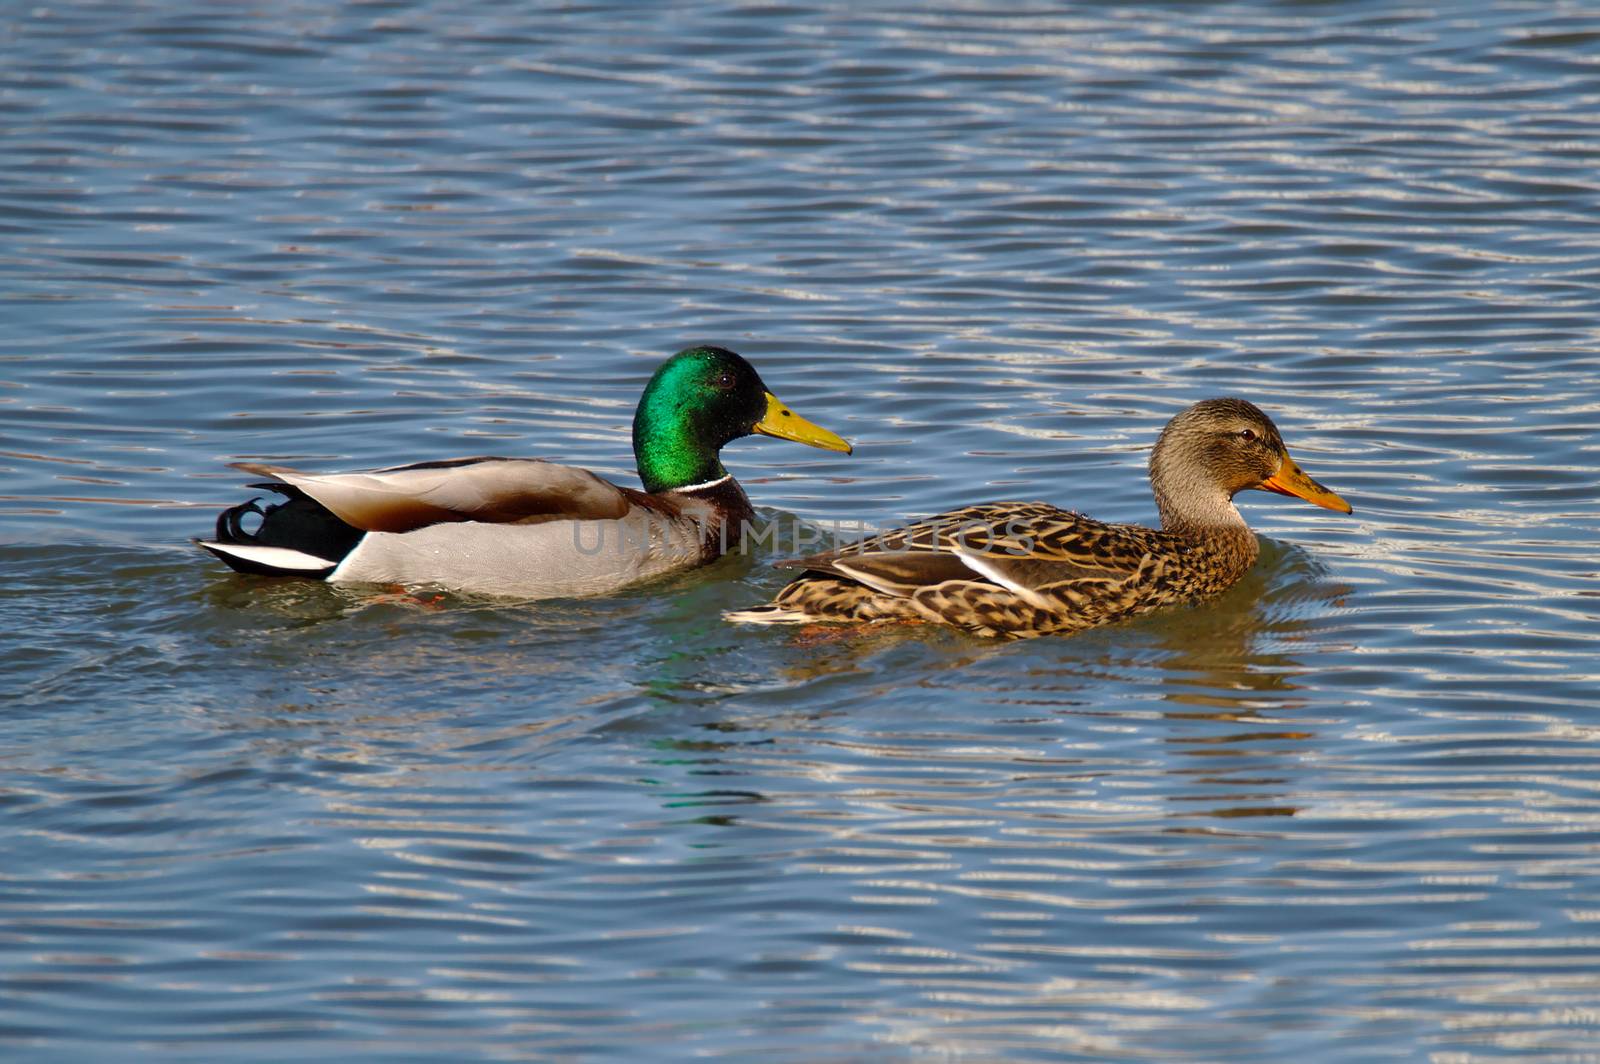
(1345, 811)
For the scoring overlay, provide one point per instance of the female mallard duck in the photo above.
(1029, 569)
(523, 526)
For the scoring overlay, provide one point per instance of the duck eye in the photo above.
(1247, 435)
(725, 381)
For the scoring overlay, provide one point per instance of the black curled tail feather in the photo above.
(298, 523)
(230, 522)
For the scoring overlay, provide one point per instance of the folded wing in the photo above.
(490, 490)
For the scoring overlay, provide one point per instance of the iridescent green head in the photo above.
(700, 399)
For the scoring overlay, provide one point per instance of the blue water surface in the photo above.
(1347, 812)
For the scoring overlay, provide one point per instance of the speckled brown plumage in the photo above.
(1023, 569)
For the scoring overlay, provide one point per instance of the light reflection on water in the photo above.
(1345, 812)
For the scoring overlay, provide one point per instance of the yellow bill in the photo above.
(1290, 479)
(785, 424)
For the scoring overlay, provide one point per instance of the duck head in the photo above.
(700, 400)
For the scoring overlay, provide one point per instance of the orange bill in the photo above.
(1290, 479)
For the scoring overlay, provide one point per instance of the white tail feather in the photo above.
(279, 558)
(767, 615)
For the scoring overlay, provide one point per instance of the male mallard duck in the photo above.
(1029, 569)
(523, 526)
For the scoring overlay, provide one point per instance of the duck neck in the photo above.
(1199, 515)
(669, 452)
(1214, 526)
